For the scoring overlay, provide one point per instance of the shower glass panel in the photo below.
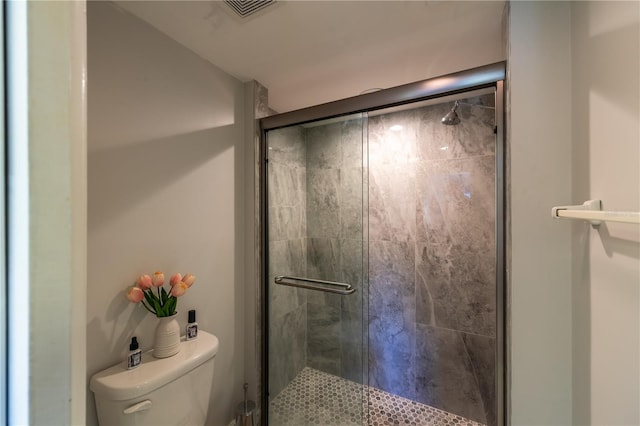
(432, 257)
(401, 205)
(316, 251)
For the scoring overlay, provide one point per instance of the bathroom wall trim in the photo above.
(502, 335)
(492, 75)
(449, 84)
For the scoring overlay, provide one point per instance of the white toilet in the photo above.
(168, 391)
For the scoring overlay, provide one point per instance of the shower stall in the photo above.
(382, 256)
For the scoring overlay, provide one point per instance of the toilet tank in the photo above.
(160, 391)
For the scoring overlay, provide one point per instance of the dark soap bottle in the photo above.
(135, 354)
(192, 327)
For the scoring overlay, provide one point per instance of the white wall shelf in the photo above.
(592, 211)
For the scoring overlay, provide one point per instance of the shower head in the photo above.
(451, 118)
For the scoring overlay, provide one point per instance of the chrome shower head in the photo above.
(451, 119)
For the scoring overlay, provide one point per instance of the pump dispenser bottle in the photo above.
(135, 354)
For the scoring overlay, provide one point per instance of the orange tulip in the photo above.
(179, 289)
(188, 279)
(135, 295)
(158, 279)
(144, 282)
(175, 279)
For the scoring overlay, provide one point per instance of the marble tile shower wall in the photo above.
(431, 293)
(287, 255)
(431, 258)
(334, 247)
(315, 230)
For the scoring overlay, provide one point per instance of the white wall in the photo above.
(606, 151)
(540, 178)
(165, 173)
(575, 135)
(54, 143)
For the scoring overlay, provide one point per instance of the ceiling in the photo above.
(311, 52)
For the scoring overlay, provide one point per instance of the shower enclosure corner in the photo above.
(382, 226)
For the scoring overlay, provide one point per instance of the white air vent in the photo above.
(245, 8)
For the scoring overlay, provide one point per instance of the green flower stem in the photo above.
(147, 308)
(155, 305)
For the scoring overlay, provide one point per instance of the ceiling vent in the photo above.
(244, 8)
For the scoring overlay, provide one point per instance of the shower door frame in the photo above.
(491, 75)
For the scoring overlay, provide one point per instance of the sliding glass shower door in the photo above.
(384, 257)
(316, 236)
(420, 208)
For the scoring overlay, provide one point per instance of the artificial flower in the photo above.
(135, 294)
(175, 279)
(188, 279)
(144, 282)
(179, 289)
(159, 302)
(158, 279)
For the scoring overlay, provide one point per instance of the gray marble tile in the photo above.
(323, 338)
(488, 99)
(456, 199)
(287, 222)
(287, 348)
(425, 301)
(323, 146)
(392, 201)
(455, 248)
(351, 272)
(324, 259)
(287, 147)
(352, 145)
(351, 208)
(444, 374)
(391, 287)
(392, 139)
(482, 352)
(323, 263)
(392, 317)
(287, 186)
(286, 258)
(284, 299)
(323, 214)
(451, 292)
(391, 358)
(473, 136)
(351, 348)
(321, 298)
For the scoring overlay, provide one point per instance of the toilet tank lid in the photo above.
(117, 383)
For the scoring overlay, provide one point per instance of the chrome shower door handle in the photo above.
(334, 287)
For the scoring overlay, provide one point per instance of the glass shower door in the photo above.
(316, 256)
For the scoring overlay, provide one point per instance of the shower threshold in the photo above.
(317, 398)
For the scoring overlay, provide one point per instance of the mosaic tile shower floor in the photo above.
(321, 399)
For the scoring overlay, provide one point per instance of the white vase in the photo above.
(167, 337)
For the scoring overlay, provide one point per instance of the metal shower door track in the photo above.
(475, 78)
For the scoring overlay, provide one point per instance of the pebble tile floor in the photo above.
(321, 399)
